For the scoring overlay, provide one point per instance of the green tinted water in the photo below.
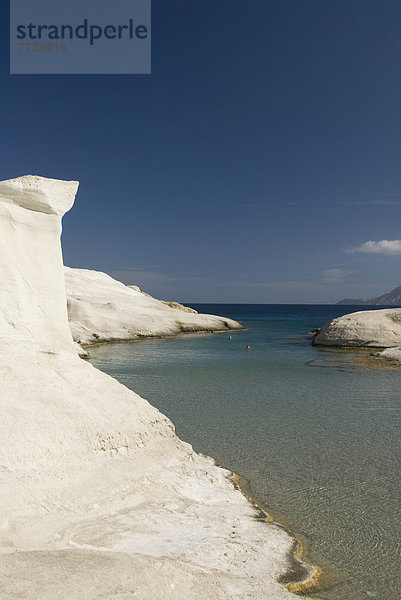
(316, 433)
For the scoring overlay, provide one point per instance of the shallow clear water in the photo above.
(316, 433)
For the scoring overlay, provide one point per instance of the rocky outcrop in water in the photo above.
(371, 328)
(103, 309)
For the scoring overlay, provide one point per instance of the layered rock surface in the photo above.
(371, 328)
(98, 496)
(103, 309)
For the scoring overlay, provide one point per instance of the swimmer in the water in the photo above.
(230, 337)
(247, 347)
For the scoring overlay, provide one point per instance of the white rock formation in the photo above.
(179, 306)
(392, 355)
(372, 328)
(32, 290)
(103, 309)
(98, 497)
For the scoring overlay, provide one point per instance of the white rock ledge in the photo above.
(98, 496)
(389, 356)
(102, 309)
(49, 196)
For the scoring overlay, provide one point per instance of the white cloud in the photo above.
(391, 247)
(334, 275)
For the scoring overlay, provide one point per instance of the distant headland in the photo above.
(393, 298)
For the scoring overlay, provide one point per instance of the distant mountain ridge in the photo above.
(393, 298)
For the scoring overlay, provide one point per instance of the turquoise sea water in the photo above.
(316, 432)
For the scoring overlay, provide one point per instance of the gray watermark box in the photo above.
(80, 37)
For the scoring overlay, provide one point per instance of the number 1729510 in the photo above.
(42, 47)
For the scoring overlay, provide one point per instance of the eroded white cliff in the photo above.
(32, 289)
(98, 497)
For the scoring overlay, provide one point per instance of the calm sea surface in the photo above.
(316, 432)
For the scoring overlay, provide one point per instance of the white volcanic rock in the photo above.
(33, 314)
(371, 328)
(98, 497)
(179, 306)
(103, 309)
(389, 354)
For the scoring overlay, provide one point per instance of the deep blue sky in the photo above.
(262, 149)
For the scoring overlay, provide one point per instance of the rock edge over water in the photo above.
(371, 328)
(101, 309)
(365, 329)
